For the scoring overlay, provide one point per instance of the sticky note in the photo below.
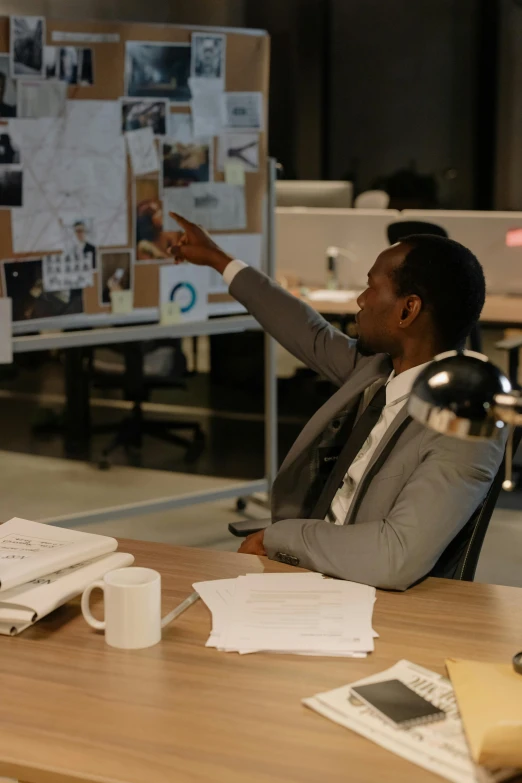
(170, 313)
(122, 302)
(234, 173)
(6, 341)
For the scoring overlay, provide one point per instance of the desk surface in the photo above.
(498, 310)
(73, 709)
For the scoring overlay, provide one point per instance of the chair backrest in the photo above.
(372, 199)
(459, 559)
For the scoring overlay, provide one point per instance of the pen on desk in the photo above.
(179, 609)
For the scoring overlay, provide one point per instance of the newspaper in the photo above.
(440, 747)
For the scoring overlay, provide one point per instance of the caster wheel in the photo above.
(241, 504)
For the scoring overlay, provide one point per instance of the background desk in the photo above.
(499, 311)
(73, 709)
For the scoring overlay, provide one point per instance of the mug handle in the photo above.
(86, 610)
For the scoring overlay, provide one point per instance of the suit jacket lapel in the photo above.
(388, 435)
(378, 367)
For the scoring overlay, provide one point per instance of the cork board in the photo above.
(247, 70)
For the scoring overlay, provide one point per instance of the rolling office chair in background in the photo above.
(403, 228)
(372, 199)
(137, 381)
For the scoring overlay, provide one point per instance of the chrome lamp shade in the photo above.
(464, 395)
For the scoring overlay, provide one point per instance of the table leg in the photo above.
(77, 411)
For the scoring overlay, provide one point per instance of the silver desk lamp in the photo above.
(464, 395)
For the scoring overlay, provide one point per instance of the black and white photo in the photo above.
(67, 271)
(7, 88)
(11, 187)
(208, 56)
(85, 66)
(23, 283)
(137, 114)
(70, 64)
(51, 67)
(115, 273)
(79, 239)
(240, 148)
(27, 45)
(157, 70)
(67, 65)
(243, 110)
(9, 149)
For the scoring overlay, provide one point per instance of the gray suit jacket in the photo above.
(402, 518)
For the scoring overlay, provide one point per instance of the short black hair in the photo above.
(449, 280)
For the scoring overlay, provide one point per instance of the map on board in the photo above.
(76, 163)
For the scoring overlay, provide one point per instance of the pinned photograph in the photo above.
(184, 164)
(153, 242)
(208, 56)
(243, 110)
(79, 240)
(85, 67)
(115, 273)
(158, 70)
(240, 148)
(69, 64)
(7, 88)
(51, 67)
(66, 271)
(27, 35)
(23, 283)
(137, 114)
(9, 150)
(11, 187)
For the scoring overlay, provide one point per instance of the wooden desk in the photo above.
(499, 311)
(73, 709)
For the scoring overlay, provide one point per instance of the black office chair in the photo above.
(137, 385)
(460, 558)
(403, 228)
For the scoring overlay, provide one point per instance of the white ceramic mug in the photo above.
(132, 607)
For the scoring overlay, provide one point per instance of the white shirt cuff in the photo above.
(232, 269)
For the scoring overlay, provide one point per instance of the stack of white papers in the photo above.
(290, 613)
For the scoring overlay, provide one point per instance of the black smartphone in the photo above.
(398, 704)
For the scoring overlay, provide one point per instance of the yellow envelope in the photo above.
(489, 696)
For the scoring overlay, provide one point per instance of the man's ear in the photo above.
(411, 310)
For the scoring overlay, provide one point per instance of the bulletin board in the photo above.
(88, 211)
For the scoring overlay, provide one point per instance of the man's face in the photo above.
(381, 308)
(80, 233)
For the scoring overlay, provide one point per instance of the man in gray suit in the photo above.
(366, 493)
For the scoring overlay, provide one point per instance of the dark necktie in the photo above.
(351, 448)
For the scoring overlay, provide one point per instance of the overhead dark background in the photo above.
(365, 88)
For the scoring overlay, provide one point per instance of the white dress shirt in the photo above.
(398, 388)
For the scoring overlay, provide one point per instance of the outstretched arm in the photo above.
(295, 325)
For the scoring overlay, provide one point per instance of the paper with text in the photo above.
(142, 150)
(31, 549)
(74, 164)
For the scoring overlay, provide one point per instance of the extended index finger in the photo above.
(181, 220)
